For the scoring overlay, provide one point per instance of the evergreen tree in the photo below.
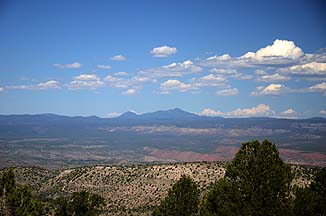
(221, 200)
(80, 204)
(311, 201)
(257, 182)
(182, 199)
(18, 200)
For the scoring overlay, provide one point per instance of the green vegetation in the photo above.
(18, 200)
(311, 200)
(257, 182)
(182, 199)
(80, 204)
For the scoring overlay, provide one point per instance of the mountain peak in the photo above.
(175, 113)
(177, 110)
(128, 114)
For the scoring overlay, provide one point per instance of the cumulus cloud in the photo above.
(120, 82)
(223, 57)
(323, 112)
(172, 70)
(220, 61)
(118, 58)
(121, 73)
(208, 80)
(113, 114)
(211, 112)
(281, 52)
(2, 89)
(130, 92)
(174, 85)
(116, 82)
(74, 65)
(50, 84)
(289, 113)
(321, 87)
(259, 110)
(105, 67)
(279, 49)
(85, 81)
(227, 92)
(311, 68)
(223, 71)
(163, 51)
(86, 77)
(232, 73)
(272, 78)
(271, 89)
(260, 72)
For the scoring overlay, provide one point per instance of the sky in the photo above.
(215, 58)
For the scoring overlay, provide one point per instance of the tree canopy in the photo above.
(257, 182)
(182, 199)
(80, 204)
(311, 201)
(16, 199)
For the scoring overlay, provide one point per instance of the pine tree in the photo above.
(257, 182)
(182, 199)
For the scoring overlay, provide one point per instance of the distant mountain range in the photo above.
(171, 114)
(167, 135)
(162, 115)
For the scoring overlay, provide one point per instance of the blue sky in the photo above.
(225, 58)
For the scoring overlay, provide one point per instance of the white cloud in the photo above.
(74, 65)
(260, 72)
(279, 49)
(105, 67)
(133, 83)
(271, 89)
(118, 58)
(86, 77)
(77, 84)
(85, 81)
(130, 92)
(121, 73)
(273, 78)
(2, 89)
(311, 68)
(321, 87)
(232, 73)
(259, 110)
(227, 92)
(174, 85)
(223, 57)
(323, 112)
(113, 114)
(209, 80)
(224, 71)
(172, 70)
(289, 113)
(281, 52)
(50, 84)
(116, 82)
(163, 51)
(210, 112)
